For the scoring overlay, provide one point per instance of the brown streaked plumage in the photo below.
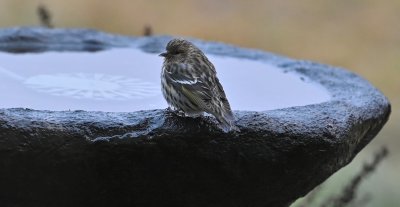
(190, 84)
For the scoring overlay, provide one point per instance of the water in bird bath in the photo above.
(119, 80)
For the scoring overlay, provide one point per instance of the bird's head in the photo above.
(179, 49)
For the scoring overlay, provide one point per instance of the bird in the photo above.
(190, 84)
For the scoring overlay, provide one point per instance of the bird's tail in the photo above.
(227, 122)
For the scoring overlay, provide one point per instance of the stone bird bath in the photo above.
(83, 123)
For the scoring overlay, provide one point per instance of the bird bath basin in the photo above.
(126, 80)
(83, 123)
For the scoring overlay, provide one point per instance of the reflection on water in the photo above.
(96, 86)
(129, 80)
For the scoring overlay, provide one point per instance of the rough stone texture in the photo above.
(155, 158)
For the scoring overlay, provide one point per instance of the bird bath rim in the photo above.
(287, 150)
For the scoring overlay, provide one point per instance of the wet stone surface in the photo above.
(93, 143)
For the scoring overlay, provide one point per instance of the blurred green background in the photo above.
(360, 35)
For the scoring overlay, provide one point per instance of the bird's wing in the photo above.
(185, 79)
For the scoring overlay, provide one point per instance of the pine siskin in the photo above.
(190, 84)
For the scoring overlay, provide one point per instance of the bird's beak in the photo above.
(164, 54)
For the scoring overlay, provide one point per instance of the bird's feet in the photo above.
(177, 112)
(181, 113)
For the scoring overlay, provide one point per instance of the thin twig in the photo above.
(44, 16)
(349, 192)
(147, 30)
